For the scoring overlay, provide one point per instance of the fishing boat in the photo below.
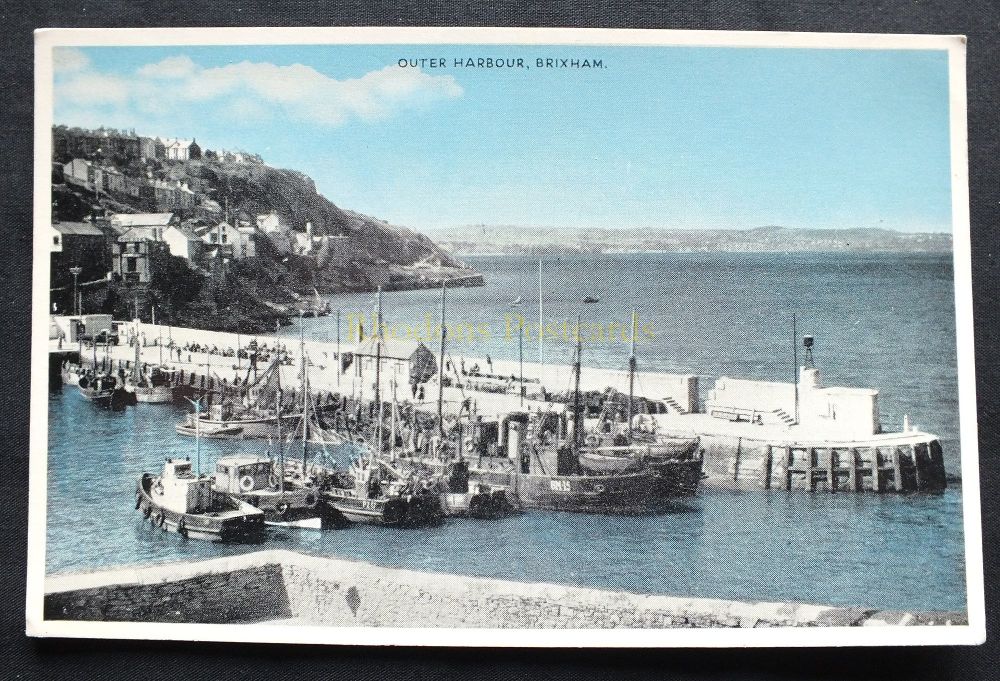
(180, 501)
(105, 390)
(192, 426)
(257, 481)
(636, 444)
(481, 500)
(248, 414)
(150, 384)
(591, 299)
(371, 492)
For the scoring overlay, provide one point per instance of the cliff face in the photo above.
(251, 189)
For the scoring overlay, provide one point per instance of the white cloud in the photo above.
(258, 90)
(180, 66)
(69, 59)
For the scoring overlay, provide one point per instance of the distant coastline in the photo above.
(488, 240)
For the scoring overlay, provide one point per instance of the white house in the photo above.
(176, 149)
(182, 242)
(270, 225)
(230, 241)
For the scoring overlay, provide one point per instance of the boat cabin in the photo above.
(243, 474)
(182, 492)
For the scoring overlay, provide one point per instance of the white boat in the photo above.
(182, 502)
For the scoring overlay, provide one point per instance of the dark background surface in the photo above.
(21, 657)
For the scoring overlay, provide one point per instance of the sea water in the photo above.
(881, 321)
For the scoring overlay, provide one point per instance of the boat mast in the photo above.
(541, 327)
(197, 433)
(795, 367)
(378, 345)
(392, 421)
(305, 395)
(339, 363)
(577, 411)
(441, 367)
(631, 374)
(520, 360)
(281, 448)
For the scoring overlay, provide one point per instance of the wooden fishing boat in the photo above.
(154, 386)
(190, 426)
(179, 501)
(248, 423)
(255, 480)
(105, 390)
(366, 494)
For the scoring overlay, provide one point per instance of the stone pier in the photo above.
(297, 589)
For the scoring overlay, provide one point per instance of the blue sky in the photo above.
(687, 137)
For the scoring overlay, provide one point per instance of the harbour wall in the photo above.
(285, 586)
(739, 452)
(902, 464)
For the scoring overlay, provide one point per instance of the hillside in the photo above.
(517, 240)
(369, 252)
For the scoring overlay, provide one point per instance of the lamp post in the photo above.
(75, 271)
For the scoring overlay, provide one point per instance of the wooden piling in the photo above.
(916, 466)
(767, 468)
(876, 473)
(810, 483)
(788, 468)
(855, 478)
(896, 470)
(831, 471)
(736, 462)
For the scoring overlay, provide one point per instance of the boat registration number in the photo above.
(559, 485)
(368, 504)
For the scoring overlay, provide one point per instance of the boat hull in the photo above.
(263, 427)
(411, 511)
(247, 527)
(154, 395)
(626, 494)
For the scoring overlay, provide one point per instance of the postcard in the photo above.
(503, 337)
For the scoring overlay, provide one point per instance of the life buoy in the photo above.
(158, 487)
(246, 483)
(311, 500)
(281, 508)
(592, 440)
(359, 440)
(272, 480)
(467, 443)
(599, 488)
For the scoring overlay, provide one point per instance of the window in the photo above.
(55, 241)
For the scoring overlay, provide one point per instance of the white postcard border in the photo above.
(973, 633)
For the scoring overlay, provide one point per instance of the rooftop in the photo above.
(77, 228)
(142, 219)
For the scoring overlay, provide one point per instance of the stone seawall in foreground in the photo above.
(275, 586)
